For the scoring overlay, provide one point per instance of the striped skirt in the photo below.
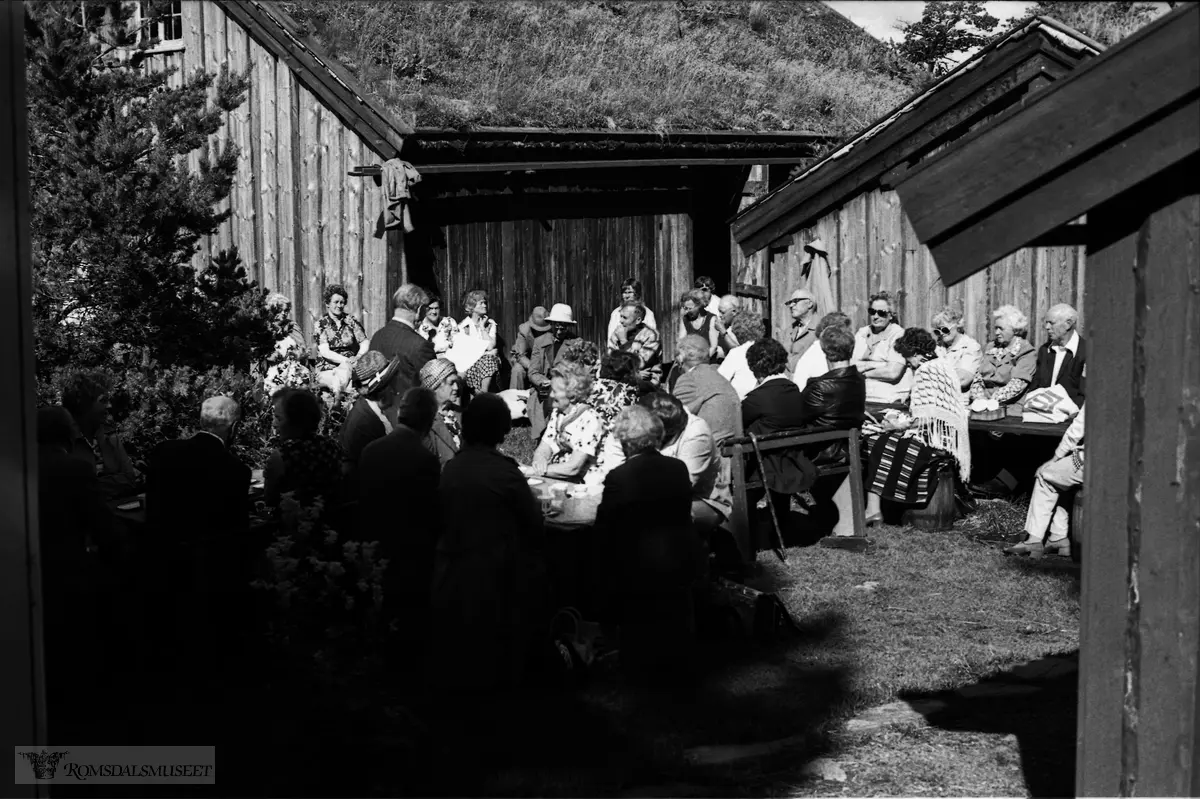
(902, 469)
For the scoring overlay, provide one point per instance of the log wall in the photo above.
(298, 220)
(872, 247)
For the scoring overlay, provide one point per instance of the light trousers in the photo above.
(1046, 510)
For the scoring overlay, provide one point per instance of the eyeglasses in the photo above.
(945, 331)
(877, 312)
(795, 300)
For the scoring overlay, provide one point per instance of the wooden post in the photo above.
(22, 674)
(1140, 636)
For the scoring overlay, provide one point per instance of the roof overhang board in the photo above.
(1116, 122)
(328, 80)
(914, 127)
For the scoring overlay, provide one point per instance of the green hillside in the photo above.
(683, 65)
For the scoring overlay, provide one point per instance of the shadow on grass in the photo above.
(1036, 703)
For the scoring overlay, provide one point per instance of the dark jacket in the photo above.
(704, 392)
(440, 442)
(837, 400)
(397, 504)
(396, 338)
(72, 517)
(1070, 376)
(361, 427)
(196, 488)
(646, 512)
(546, 354)
(773, 407)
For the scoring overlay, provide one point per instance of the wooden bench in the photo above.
(737, 449)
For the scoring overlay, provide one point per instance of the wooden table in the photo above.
(577, 512)
(1010, 424)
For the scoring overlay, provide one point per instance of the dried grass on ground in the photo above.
(628, 65)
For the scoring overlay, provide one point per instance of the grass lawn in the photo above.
(919, 614)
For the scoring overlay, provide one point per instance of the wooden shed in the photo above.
(537, 216)
(848, 201)
(298, 219)
(1118, 141)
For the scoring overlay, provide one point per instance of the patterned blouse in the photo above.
(575, 432)
(311, 467)
(1005, 372)
(440, 335)
(342, 336)
(609, 398)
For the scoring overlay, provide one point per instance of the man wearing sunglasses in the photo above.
(888, 379)
(955, 346)
(803, 308)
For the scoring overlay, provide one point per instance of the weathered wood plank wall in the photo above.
(298, 220)
(579, 261)
(872, 247)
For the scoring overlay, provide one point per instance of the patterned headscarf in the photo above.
(434, 373)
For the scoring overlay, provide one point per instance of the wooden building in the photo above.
(536, 216)
(1118, 141)
(848, 201)
(298, 219)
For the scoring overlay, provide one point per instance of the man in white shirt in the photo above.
(1054, 478)
(1061, 360)
(956, 347)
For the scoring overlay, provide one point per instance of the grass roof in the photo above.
(607, 64)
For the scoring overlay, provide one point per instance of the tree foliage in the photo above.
(945, 28)
(117, 213)
(1106, 22)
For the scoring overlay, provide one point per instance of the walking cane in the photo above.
(779, 550)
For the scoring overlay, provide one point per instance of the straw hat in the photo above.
(561, 313)
(373, 371)
(434, 373)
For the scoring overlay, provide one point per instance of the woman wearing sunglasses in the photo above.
(886, 372)
(957, 348)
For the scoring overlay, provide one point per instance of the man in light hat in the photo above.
(522, 348)
(803, 307)
(546, 351)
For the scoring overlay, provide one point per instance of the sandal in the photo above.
(874, 521)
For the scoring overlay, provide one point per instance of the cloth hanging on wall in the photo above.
(398, 179)
(815, 272)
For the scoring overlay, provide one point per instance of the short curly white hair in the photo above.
(638, 430)
(1012, 316)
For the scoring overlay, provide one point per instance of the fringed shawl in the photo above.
(939, 413)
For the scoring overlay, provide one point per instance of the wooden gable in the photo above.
(1120, 119)
(1038, 52)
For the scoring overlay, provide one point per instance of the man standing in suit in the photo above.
(704, 392)
(803, 333)
(546, 351)
(1060, 361)
(398, 506)
(522, 349)
(399, 337)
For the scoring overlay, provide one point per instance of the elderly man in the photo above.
(813, 363)
(956, 347)
(1060, 361)
(803, 334)
(726, 308)
(85, 396)
(704, 392)
(547, 352)
(399, 337)
(633, 335)
(196, 487)
(1055, 478)
(522, 348)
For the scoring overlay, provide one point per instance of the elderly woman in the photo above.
(687, 438)
(956, 347)
(875, 356)
(306, 462)
(445, 439)
(645, 512)
(748, 327)
(1008, 366)
(631, 291)
(340, 339)
(900, 458)
(86, 395)
(371, 417)
(570, 447)
(490, 601)
(479, 326)
(437, 328)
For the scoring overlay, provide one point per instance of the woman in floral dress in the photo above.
(340, 340)
(306, 462)
(437, 328)
(570, 447)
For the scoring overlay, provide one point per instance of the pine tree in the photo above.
(117, 214)
(945, 28)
